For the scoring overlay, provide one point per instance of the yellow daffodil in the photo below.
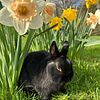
(57, 22)
(69, 14)
(48, 11)
(22, 14)
(94, 19)
(90, 2)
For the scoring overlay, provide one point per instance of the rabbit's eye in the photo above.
(58, 67)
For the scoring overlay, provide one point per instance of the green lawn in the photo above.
(85, 84)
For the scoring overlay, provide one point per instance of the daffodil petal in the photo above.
(5, 17)
(40, 5)
(50, 13)
(97, 14)
(46, 18)
(59, 6)
(93, 26)
(6, 2)
(99, 21)
(21, 26)
(37, 22)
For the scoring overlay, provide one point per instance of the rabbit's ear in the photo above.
(54, 50)
(65, 49)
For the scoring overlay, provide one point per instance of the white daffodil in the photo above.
(94, 19)
(48, 11)
(97, 14)
(22, 14)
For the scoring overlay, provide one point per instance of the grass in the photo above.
(85, 84)
(86, 81)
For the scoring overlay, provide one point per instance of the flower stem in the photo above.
(44, 31)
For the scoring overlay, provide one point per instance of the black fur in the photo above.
(46, 72)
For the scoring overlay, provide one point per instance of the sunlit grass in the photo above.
(86, 81)
(85, 84)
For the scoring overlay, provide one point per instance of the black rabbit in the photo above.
(46, 72)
